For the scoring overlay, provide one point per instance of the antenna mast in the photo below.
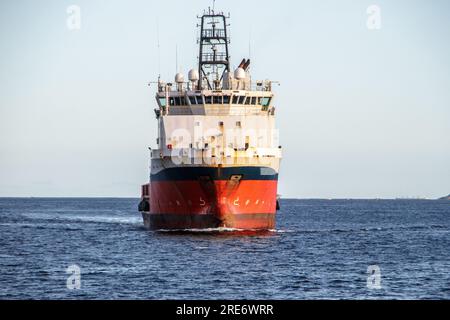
(213, 49)
(159, 53)
(176, 58)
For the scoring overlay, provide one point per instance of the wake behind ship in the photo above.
(217, 160)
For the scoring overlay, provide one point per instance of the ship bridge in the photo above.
(213, 102)
(212, 88)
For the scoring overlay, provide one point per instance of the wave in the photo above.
(222, 230)
(100, 219)
(334, 230)
(370, 229)
(84, 218)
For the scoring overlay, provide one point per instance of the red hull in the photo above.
(192, 204)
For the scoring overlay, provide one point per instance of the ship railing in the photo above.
(214, 57)
(261, 86)
(213, 33)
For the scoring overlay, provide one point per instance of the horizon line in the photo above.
(283, 198)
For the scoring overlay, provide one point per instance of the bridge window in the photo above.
(248, 100)
(217, 99)
(199, 100)
(253, 100)
(241, 99)
(208, 99)
(192, 100)
(176, 101)
(235, 99)
(265, 101)
(162, 102)
(226, 99)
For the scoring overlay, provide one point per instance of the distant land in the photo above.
(445, 198)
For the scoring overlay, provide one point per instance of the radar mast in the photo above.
(213, 58)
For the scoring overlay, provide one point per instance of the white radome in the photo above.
(193, 75)
(239, 74)
(179, 77)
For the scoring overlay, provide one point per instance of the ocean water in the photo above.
(321, 249)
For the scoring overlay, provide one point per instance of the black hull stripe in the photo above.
(214, 173)
(194, 221)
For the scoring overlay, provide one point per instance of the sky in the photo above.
(362, 112)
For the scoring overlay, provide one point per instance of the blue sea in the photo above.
(97, 248)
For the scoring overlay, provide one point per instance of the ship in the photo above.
(217, 158)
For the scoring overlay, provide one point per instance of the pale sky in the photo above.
(362, 113)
